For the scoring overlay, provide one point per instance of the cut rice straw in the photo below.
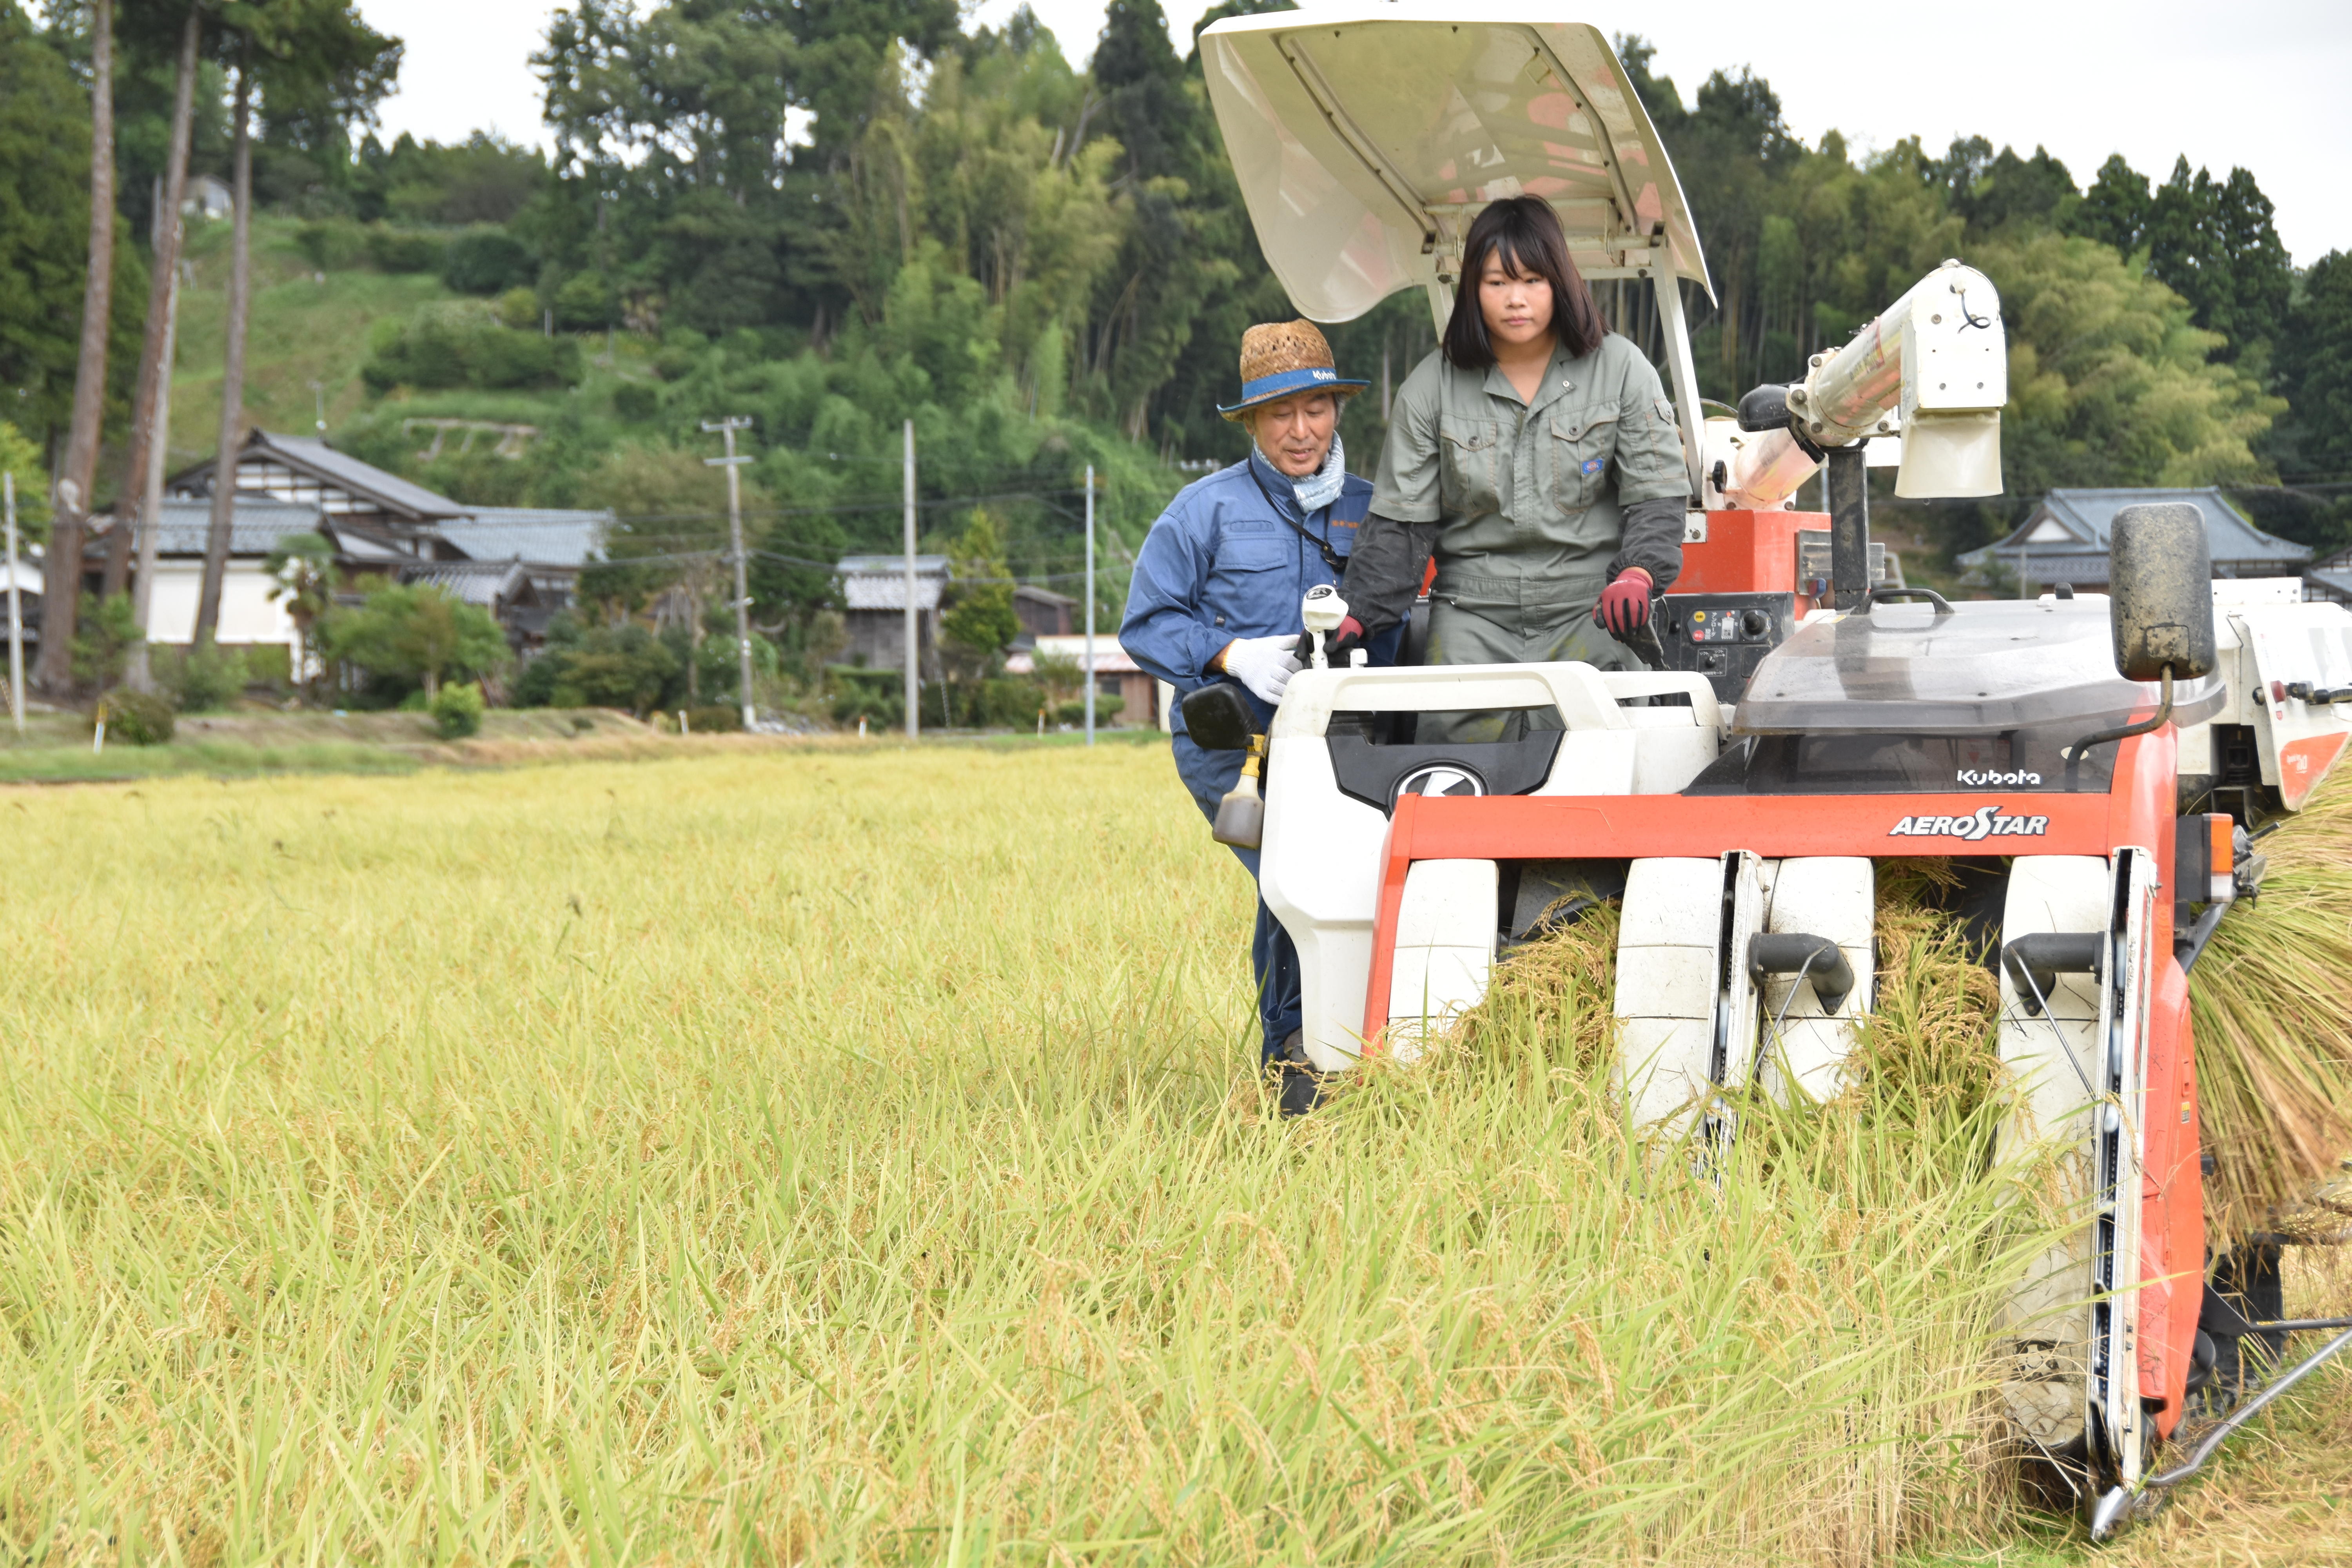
(2272, 1004)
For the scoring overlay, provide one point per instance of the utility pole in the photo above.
(731, 463)
(914, 688)
(15, 611)
(1090, 604)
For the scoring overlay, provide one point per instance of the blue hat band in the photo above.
(1289, 381)
(1284, 383)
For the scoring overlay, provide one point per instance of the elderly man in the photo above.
(1216, 594)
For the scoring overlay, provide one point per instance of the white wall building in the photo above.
(249, 616)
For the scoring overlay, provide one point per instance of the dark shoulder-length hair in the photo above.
(1524, 232)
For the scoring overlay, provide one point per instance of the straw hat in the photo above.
(1282, 359)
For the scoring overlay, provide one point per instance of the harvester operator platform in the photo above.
(1537, 456)
(1216, 595)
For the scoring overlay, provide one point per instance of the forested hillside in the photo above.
(834, 216)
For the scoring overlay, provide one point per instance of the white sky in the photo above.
(2263, 83)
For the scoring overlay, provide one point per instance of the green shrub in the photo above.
(603, 667)
(332, 245)
(104, 634)
(268, 664)
(203, 678)
(719, 668)
(585, 302)
(635, 402)
(485, 261)
(1107, 707)
(877, 695)
(449, 344)
(404, 250)
(1007, 702)
(457, 709)
(136, 718)
(518, 308)
(712, 717)
(505, 358)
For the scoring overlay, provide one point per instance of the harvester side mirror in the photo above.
(2160, 587)
(1218, 718)
(1764, 408)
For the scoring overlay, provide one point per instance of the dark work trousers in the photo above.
(1210, 775)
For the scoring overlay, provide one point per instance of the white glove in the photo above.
(1264, 665)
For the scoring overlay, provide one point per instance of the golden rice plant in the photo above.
(2271, 1001)
(856, 1156)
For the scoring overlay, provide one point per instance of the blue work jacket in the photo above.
(1223, 562)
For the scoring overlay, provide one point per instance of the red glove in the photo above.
(1338, 643)
(1625, 605)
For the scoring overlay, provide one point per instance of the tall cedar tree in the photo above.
(314, 60)
(78, 482)
(143, 474)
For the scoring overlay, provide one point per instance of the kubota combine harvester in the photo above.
(2091, 764)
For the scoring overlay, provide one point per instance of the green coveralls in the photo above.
(1531, 499)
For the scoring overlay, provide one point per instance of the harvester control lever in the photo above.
(1803, 955)
(2034, 963)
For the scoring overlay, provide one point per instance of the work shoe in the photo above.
(1302, 1086)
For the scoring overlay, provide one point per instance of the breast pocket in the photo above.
(1468, 451)
(1582, 445)
(1249, 583)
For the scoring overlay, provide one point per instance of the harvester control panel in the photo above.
(1723, 636)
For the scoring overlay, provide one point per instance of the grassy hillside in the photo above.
(312, 327)
(307, 327)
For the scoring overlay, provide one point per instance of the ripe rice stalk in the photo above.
(1884, 1242)
(2272, 1004)
(856, 1157)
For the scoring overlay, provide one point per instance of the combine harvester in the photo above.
(2091, 764)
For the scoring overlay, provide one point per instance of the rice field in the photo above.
(850, 1156)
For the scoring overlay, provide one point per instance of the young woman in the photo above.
(1537, 455)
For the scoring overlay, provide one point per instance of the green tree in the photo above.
(670, 524)
(2214, 244)
(1185, 233)
(415, 633)
(2115, 209)
(20, 458)
(1995, 194)
(302, 567)
(2315, 369)
(979, 621)
(318, 66)
(2110, 380)
(104, 635)
(622, 666)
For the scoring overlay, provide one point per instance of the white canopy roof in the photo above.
(1367, 135)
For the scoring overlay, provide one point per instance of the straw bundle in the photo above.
(2272, 1004)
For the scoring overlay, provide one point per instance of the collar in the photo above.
(1560, 378)
(1274, 485)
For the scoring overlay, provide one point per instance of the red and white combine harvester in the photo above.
(2090, 763)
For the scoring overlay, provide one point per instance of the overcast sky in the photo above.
(2263, 83)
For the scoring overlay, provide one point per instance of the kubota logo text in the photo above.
(1986, 823)
(1995, 777)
